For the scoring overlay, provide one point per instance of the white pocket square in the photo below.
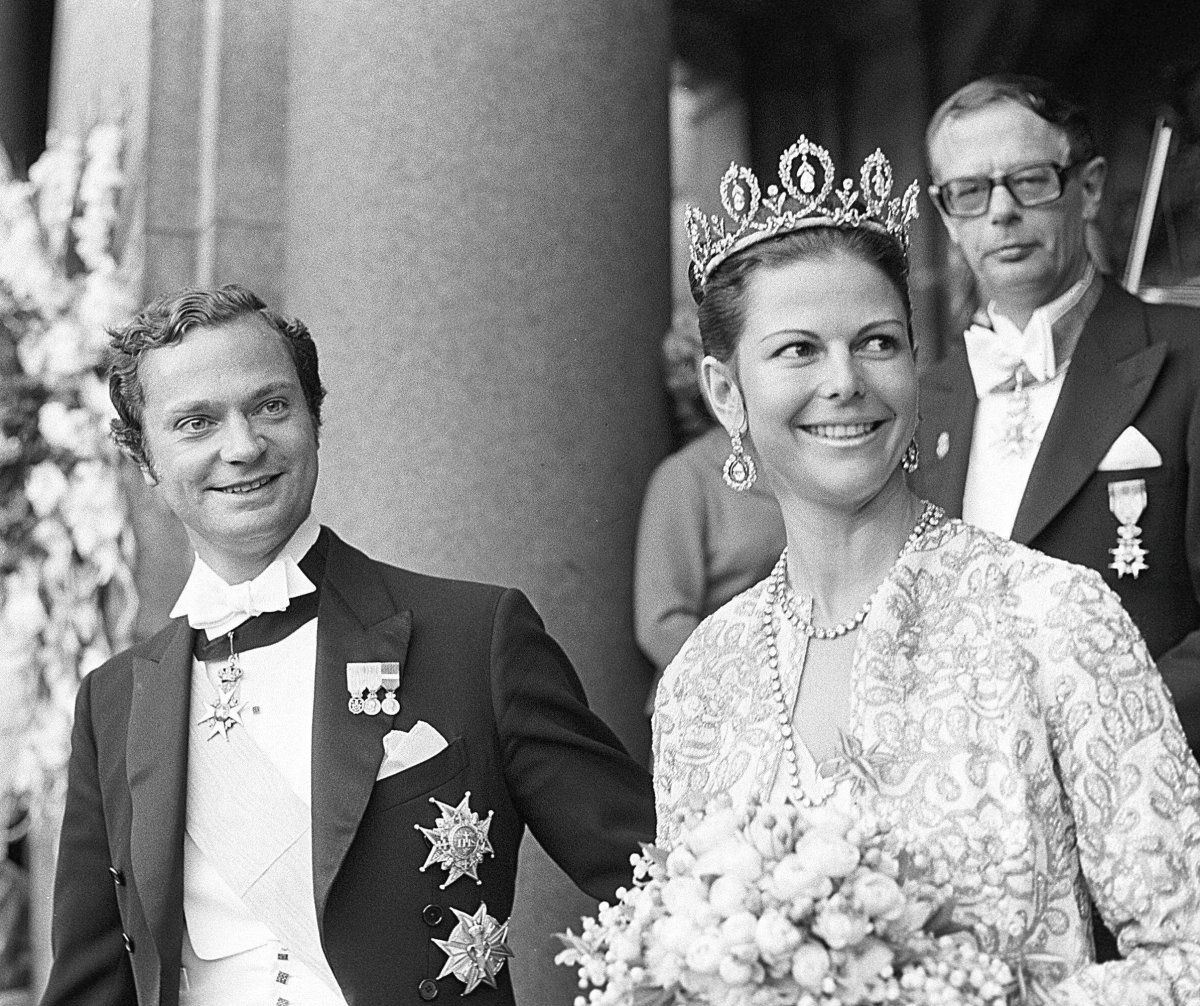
(1130, 450)
(402, 749)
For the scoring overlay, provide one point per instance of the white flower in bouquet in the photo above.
(780, 906)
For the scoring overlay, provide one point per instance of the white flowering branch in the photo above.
(67, 600)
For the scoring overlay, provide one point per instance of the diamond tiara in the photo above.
(802, 203)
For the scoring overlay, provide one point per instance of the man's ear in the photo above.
(148, 473)
(1091, 178)
(719, 384)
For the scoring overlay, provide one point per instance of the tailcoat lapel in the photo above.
(1108, 381)
(357, 620)
(156, 768)
(948, 415)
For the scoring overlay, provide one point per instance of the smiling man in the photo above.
(311, 786)
(1067, 417)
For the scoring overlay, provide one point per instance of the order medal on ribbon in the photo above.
(1127, 501)
(223, 714)
(476, 950)
(460, 840)
(390, 680)
(356, 684)
(374, 679)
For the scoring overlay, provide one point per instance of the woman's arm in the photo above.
(1134, 792)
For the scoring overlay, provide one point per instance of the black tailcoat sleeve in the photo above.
(566, 771)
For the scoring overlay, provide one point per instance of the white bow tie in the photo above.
(217, 607)
(996, 354)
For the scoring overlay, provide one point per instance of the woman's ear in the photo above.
(719, 383)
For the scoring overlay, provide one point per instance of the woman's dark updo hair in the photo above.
(723, 308)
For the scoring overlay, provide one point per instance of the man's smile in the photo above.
(239, 488)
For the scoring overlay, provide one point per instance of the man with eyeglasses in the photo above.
(1067, 416)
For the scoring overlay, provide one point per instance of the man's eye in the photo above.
(193, 424)
(274, 407)
(966, 187)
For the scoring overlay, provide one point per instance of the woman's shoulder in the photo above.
(958, 544)
(728, 629)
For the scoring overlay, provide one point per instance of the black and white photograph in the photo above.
(636, 503)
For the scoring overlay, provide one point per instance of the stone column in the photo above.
(25, 39)
(477, 235)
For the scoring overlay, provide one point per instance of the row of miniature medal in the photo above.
(372, 677)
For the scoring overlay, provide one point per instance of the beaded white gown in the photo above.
(1007, 718)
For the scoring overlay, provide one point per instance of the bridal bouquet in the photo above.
(782, 905)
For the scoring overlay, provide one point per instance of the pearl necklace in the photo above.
(778, 590)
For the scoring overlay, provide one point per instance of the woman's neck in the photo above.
(839, 557)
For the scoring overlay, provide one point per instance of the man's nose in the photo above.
(241, 444)
(1002, 207)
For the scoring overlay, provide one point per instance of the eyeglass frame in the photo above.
(1062, 171)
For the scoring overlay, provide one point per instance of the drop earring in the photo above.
(739, 471)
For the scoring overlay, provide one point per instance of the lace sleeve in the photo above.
(1134, 793)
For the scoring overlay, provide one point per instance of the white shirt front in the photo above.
(998, 469)
(996, 475)
(230, 958)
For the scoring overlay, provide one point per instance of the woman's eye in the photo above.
(797, 351)
(879, 345)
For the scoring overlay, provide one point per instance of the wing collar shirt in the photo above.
(230, 956)
(1018, 376)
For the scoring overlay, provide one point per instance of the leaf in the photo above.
(653, 995)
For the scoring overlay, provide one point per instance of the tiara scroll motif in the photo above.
(800, 203)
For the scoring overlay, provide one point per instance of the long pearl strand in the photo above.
(779, 591)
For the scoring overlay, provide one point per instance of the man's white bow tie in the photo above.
(217, 607)
(997, 353)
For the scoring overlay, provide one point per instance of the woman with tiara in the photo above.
(995, 706)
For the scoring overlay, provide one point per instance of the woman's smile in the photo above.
(842, 434)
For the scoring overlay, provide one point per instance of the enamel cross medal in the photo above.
(1127, 500)
(226, 711)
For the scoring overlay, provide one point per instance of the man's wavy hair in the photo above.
(166, 321)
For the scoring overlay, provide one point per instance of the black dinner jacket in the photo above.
(1135, 364)
(479, 668)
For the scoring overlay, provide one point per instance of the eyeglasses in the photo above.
(1029, 185)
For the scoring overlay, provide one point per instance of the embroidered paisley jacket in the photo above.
(1012, 724)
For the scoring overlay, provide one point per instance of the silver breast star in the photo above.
(476, 950)
(460, 840)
